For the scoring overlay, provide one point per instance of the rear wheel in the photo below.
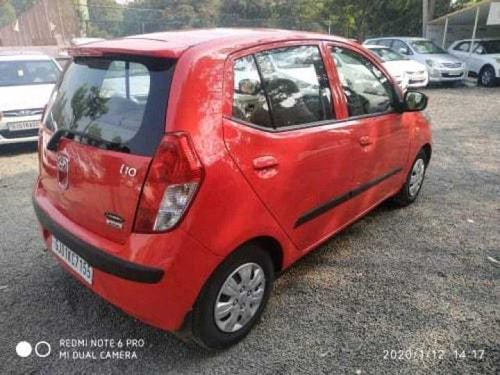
(414, 181)
(233, 299)
(487, 76)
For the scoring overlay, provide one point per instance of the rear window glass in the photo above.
(19, 73)
(113, 100)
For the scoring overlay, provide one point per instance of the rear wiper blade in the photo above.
(53, 143)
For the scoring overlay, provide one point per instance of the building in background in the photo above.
(480, 20)
(46, 23)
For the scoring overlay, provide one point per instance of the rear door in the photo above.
(283, 134)
(380, 137)
(112, 114)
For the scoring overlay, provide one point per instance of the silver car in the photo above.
(441, 66)
(26, 82)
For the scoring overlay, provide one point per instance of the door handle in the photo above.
(264, 162)
(365, 141)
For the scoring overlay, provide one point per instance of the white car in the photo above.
(483, 61)
(26, 82)
(407, 73)
(441, 66)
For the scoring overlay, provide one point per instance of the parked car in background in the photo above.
(183, 211)
(408, 73)
(483, 61)
(441, 66)
(26, 82)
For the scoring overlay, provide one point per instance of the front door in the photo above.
(380, 137)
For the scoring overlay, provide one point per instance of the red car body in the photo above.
(287, 190)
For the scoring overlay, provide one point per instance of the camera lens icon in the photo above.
(24, 349)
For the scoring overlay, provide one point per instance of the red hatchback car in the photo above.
(180, 172)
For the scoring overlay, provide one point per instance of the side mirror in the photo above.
(414, 101)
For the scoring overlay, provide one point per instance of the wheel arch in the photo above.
(272, 246)
(487, 65)
(427, 149)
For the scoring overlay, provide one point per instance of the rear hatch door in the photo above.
(100, 131)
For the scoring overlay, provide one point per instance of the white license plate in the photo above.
(76, 262)
(23, 125)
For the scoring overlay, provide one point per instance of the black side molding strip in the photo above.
(334, 202)
(97, 258)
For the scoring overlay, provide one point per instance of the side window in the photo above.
(296, 84)
(249, 101)
(478, 48)
(462, 47)
(385, 42)
(366, 88)
(401, 47)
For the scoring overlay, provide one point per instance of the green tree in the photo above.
(105, 18)
(22, 5)
(7, 13)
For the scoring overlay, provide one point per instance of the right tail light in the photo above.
(173, 179)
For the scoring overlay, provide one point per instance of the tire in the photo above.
(487, 77)
(212, 333)
(410, 190)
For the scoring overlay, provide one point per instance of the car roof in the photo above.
(400, 37)
(476, 40)
(24, 57)
(375, 46)
(174, 43)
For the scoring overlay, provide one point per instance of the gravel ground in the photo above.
(398, 280)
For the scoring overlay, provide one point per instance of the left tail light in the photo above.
(173, 179)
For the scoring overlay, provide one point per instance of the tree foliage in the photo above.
(7, 13)
(351, 18)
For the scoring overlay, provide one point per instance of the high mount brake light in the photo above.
(173, 179)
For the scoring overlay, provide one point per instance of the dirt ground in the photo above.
(400, 291)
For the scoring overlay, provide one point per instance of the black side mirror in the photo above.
(414, 101)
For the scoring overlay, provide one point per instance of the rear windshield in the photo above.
(20, 73)
(120, 100)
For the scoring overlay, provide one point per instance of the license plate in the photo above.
(23, 125)
(72, 259)
(454, 74)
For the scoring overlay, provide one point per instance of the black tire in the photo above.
(204, 330)
(487, 76)
(405, 195)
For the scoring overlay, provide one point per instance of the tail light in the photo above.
(173, 179)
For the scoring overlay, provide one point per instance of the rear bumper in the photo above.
(96, 257)
(155, 278)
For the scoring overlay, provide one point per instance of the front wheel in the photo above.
(414, 180)
(233, 299)
(487, 76)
